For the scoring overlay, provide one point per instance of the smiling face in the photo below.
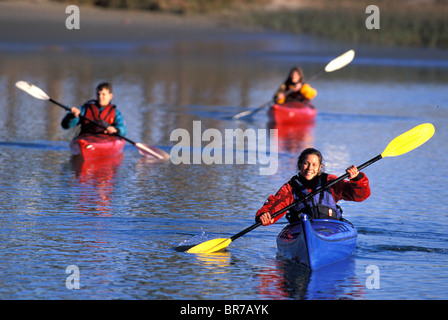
(104, 97)
(310, 166)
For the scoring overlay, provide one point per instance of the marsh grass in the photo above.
(171, 6)
(402, 23)
(420, 23)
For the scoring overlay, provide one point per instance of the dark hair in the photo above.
(307, 152)
(104, 85)
(295, 69)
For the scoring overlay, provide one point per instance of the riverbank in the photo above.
(399, 23)
(41, 25)
(414, 23)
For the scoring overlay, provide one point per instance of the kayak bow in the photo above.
(96, 146)
(292, 112)
(317, 243)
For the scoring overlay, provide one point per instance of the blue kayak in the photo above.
(317, 243)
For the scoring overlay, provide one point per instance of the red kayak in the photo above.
(292, 112)
(96, 146)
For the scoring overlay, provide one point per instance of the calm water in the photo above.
(120, 222)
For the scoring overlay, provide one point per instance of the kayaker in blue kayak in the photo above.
(100, 111)
(310, 177)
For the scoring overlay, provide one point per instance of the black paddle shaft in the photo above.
(92, 121)
(308, 196)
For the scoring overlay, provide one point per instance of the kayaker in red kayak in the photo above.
(295, 88)
(100, 111)
(309, 178)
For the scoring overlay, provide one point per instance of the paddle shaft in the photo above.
(266, 104)
(308, 196)
(94, 122)
(316, 75)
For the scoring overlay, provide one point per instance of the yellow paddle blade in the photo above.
(211, 246)
(409, 140)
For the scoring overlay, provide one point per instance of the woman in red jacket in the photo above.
(309, 178)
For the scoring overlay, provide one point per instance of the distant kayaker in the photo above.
(100, 111)
(295, 89)
(310, 177)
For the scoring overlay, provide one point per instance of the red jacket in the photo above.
(350, 190)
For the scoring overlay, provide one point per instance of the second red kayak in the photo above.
(292, 112)
(96, 146)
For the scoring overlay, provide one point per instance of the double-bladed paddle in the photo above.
(144, 150)
(333, 65)
(400, 145)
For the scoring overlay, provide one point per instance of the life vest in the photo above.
(104, 116)
(305, 93)
(320, 206)
(308, 92)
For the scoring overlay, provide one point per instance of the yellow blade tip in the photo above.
(211, 246)
(409, 140)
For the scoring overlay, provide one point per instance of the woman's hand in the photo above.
(266, 219)
(352, 171)
(297, 87)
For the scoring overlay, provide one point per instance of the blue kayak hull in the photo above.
(317, 243)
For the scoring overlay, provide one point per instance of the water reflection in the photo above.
(336, 281)
(151, 93)
(285, 279)
(96, 183)
(294, 138)
(218, 261)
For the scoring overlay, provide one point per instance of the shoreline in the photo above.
(43, 23)
(39, 26)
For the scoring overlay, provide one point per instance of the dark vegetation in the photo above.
(420, 23)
